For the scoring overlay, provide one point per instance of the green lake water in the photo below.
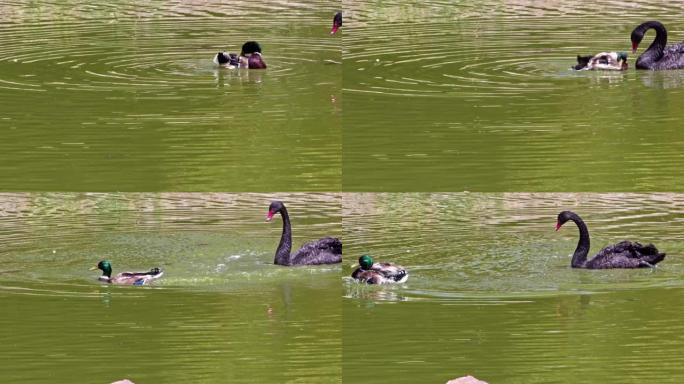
(454, 97)
(491, 292)
(221, 313)
(125, 97)
(479, 96)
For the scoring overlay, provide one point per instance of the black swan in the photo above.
(378, 273)
(658, 56)
(337, 23)
(327, 250)
(625, 254)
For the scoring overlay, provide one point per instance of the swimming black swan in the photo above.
(337, 23)
(658, 56)
(327, 250)
(625, 254)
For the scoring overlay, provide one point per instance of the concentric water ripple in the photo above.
(153, 58)
(509, 50)
(481, 97)
(108, 98)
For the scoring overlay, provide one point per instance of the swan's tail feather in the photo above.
(649, 253)
(655, 259)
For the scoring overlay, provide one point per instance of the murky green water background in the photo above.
(124, 97)
(222, 312)
(478, 96)
(491, 292)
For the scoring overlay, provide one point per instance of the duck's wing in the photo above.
(368, 277)
(137, 278)
(390, 271)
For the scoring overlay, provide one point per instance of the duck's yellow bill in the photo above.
(93, 268)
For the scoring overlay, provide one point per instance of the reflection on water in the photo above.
(222, 312)
(480, 97)
(129, 96)
(543, 340)
(269, 334)
(491, 291)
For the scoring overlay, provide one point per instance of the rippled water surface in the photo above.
(491, 292)
(222, 312)
(124, 96)
(479, 96)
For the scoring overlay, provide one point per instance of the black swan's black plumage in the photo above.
(625, 254)
(327, 250)
(659, 55)
(337, 22)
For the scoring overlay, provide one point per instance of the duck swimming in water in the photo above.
(378, 273)
(126, 278)
(249, 57)
(606, 61)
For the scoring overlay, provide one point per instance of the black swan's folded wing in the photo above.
(627, 254)
(327, 250)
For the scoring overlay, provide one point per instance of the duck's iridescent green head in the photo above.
(105, 267)
(366, 262)
(622, 56)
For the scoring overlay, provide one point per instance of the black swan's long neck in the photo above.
(282, 256)
(579, 258)
(655, 51)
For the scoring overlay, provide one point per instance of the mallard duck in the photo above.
(126, 278)
(249, 57)
(607, 61)
(378, 273)
(337, 23)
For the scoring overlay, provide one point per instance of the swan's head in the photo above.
(105, 266)
(337, 23)
(366, 262)
(250, 47)
(563, 218)
(275, 207)
(637, 36)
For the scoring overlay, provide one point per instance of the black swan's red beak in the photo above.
(558, 225)
(634, 47)
(269, 216)
(337, 23)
